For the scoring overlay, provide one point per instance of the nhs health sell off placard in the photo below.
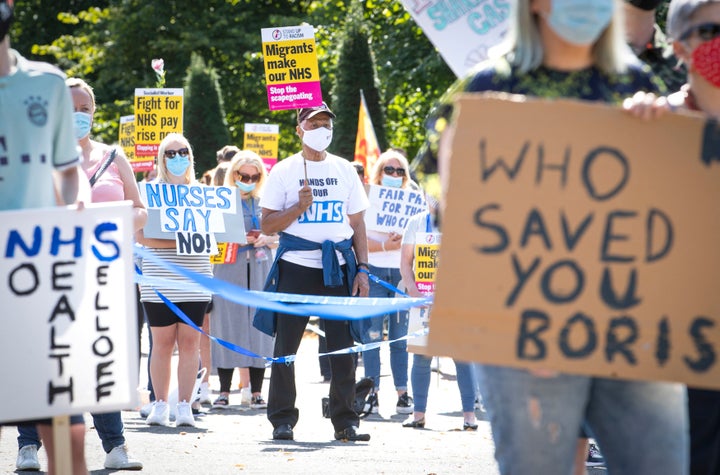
(580, 239)
(68, 299)
(196, 216)
(292, 76)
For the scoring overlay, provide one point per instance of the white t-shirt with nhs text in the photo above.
(337, 193)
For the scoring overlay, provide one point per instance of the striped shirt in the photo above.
(199, 264)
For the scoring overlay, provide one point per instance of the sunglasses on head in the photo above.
(704, 31)
(183, 152)
(390, 170)
(247, 178)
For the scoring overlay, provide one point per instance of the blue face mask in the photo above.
(178, 165)
(82, 124)
(580, 22)
(245, 187)
(394, 181)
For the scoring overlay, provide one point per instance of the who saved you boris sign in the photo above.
(68, 311)
(196, 216)
(580, 239)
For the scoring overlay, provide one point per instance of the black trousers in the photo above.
(704, 411)
(281, 408)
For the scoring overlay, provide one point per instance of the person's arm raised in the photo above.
(274, 221)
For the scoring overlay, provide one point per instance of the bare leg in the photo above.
(244, 377)
(77, 440)
(160, 359)
(205, 348)
(188, 346)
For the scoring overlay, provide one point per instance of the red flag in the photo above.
(367, 149)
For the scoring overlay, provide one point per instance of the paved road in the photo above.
(238, 441)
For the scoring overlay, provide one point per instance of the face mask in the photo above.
(705, 60)
(83, 122)
(580, 22)
(245, 187)
(6, 16)
(178, 165)
(318, 139)
(394, 181)
(646, 5)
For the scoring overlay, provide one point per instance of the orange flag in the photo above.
(367, 149)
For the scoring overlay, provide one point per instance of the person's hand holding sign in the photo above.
(305, 198)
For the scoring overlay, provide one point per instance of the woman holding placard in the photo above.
(572, 49)
(390, 170)
(175, 166)
(234, 322)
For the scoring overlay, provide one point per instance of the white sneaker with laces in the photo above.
(119, 459)
(245, 396)
(27, 458)
(184, 415)
(159, 414)
(204, 394)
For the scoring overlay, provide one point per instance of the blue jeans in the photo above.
(641, 427)
(420, 377)
(397, 328)
(109, 427)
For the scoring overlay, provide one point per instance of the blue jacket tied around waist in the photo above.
(266, 320)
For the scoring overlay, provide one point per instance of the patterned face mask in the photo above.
(706, 61)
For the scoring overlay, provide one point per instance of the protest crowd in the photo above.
(231, 265)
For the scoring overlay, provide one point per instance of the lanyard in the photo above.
(253, 216)
(428, 226)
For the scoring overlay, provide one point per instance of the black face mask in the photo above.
(645, 4)
(6, 16)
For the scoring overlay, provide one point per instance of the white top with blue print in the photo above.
(337, 193)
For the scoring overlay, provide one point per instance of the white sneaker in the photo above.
(145, 410)
(204, 394)
(184, 415)
(159, 414)
(245, 397)
(27, 458)
(119, 459)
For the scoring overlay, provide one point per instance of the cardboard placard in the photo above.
(68, 311)
(578, 238)
(196, 216)
(391, 208)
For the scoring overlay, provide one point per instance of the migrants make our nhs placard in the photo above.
(292, 76)
(391, 208)
(585, 242)
(68, 311)
(196, 216)
(463, 32)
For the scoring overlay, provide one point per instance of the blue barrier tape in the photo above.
(346, 308)
(383, 283)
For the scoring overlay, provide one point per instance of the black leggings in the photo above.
(256, 379)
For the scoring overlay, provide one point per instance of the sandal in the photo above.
(221, 402)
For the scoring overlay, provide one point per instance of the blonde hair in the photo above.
(377, 171)
(163, 174)
(246, 157)
(524, 48)
(226, 153)
(79, 83)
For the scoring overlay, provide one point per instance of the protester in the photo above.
(175, 164)
(391, 169)
(694, 26)
(111, 179)
(423, 223)
(36, 183)
(315, 200)
(548, 54)
(231, 321)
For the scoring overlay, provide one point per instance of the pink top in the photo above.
(109, 186)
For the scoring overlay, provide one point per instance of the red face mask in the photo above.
(706, 61)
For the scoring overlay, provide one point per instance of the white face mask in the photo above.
(318, 139)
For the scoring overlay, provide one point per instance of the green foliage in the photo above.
(355, 72)
(203, 115)
(110, 44)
